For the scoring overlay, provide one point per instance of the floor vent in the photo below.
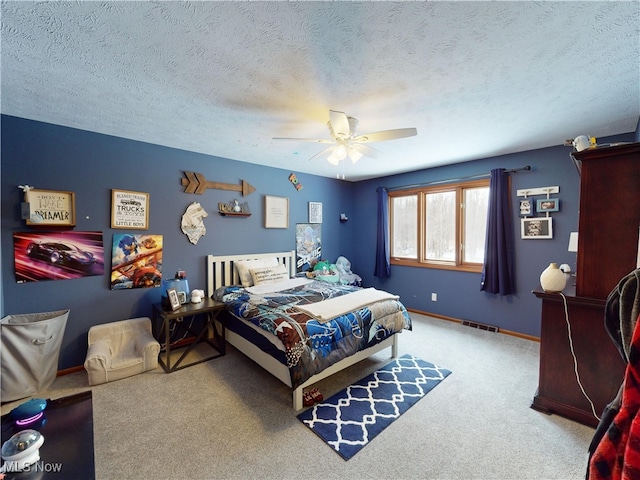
(480, 326)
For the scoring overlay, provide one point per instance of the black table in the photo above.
(174, 319)
(67, 451)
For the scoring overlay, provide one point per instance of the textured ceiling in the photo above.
(476, 79)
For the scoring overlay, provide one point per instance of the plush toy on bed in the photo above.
(326, 272)
(347, 277)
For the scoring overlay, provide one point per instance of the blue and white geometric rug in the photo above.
(350, 419)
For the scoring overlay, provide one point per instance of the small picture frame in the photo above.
(536, 228)
(174, 301)
(182, 297)
(129, 210)
(548, 205)
(315, 212)
(527, 207)
(276, 212)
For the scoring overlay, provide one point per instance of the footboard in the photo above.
(391, 341)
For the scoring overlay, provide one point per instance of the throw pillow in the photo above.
(264, 275)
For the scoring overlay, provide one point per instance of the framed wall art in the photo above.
(315, 212)
(136, 261)
(308, 245)
(276, 212)
(526, 207)
(548, 205)
(51, 207)
(536, 228)
(129, 210)
(40, 256)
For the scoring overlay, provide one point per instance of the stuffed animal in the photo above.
(347, 277)
(326, 272)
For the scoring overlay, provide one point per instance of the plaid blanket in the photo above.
(617, 456)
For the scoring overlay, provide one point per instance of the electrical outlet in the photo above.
(434, 297)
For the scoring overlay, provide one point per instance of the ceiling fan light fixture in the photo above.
(354, 154)
(339, 153)
(342, 130)
(334, 159)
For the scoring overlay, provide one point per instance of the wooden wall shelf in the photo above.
(229, 214)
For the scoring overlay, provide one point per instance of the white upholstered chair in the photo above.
(120, 349)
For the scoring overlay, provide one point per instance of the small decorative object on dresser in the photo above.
(553, 279)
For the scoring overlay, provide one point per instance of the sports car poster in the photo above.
(136, 261)
(57, 255)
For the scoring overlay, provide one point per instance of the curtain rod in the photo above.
(470, 177)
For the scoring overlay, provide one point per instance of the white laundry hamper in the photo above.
(29, 351)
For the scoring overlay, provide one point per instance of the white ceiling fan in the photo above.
(345, 142)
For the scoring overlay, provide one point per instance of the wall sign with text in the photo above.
(51, 207)
(129, 210)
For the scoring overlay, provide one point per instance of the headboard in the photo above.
(220, 270)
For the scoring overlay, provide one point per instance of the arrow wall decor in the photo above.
(196, 183)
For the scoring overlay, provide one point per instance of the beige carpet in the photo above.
(227, 418)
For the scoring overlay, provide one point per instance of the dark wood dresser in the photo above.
(600, 366)
(608, 230)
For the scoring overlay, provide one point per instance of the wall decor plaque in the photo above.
(51, 207)
(129, 210)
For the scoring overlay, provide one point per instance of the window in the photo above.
(440, 226)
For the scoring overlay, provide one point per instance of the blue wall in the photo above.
(89, 164)
(57, 158)
(458, 293)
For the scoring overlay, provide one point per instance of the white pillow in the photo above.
(265, 275)
(243, 266)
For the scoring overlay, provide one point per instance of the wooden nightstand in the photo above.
(168, 320)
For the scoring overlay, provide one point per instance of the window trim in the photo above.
(421, 192)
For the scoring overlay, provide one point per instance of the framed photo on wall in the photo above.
(536, 228)
(548, 205)
(51, 207)
(129, 210)
(315, 212)
(526, 207)
(276, 212)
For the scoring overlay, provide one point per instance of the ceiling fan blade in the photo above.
(386, 135)
(314, 140)
(339, 123)
(322, 152)
(354, 154)
(366, 150)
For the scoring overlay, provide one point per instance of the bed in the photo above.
(290, 325)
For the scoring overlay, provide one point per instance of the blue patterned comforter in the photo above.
(312, 346)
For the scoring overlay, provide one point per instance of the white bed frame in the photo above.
(220, 272)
